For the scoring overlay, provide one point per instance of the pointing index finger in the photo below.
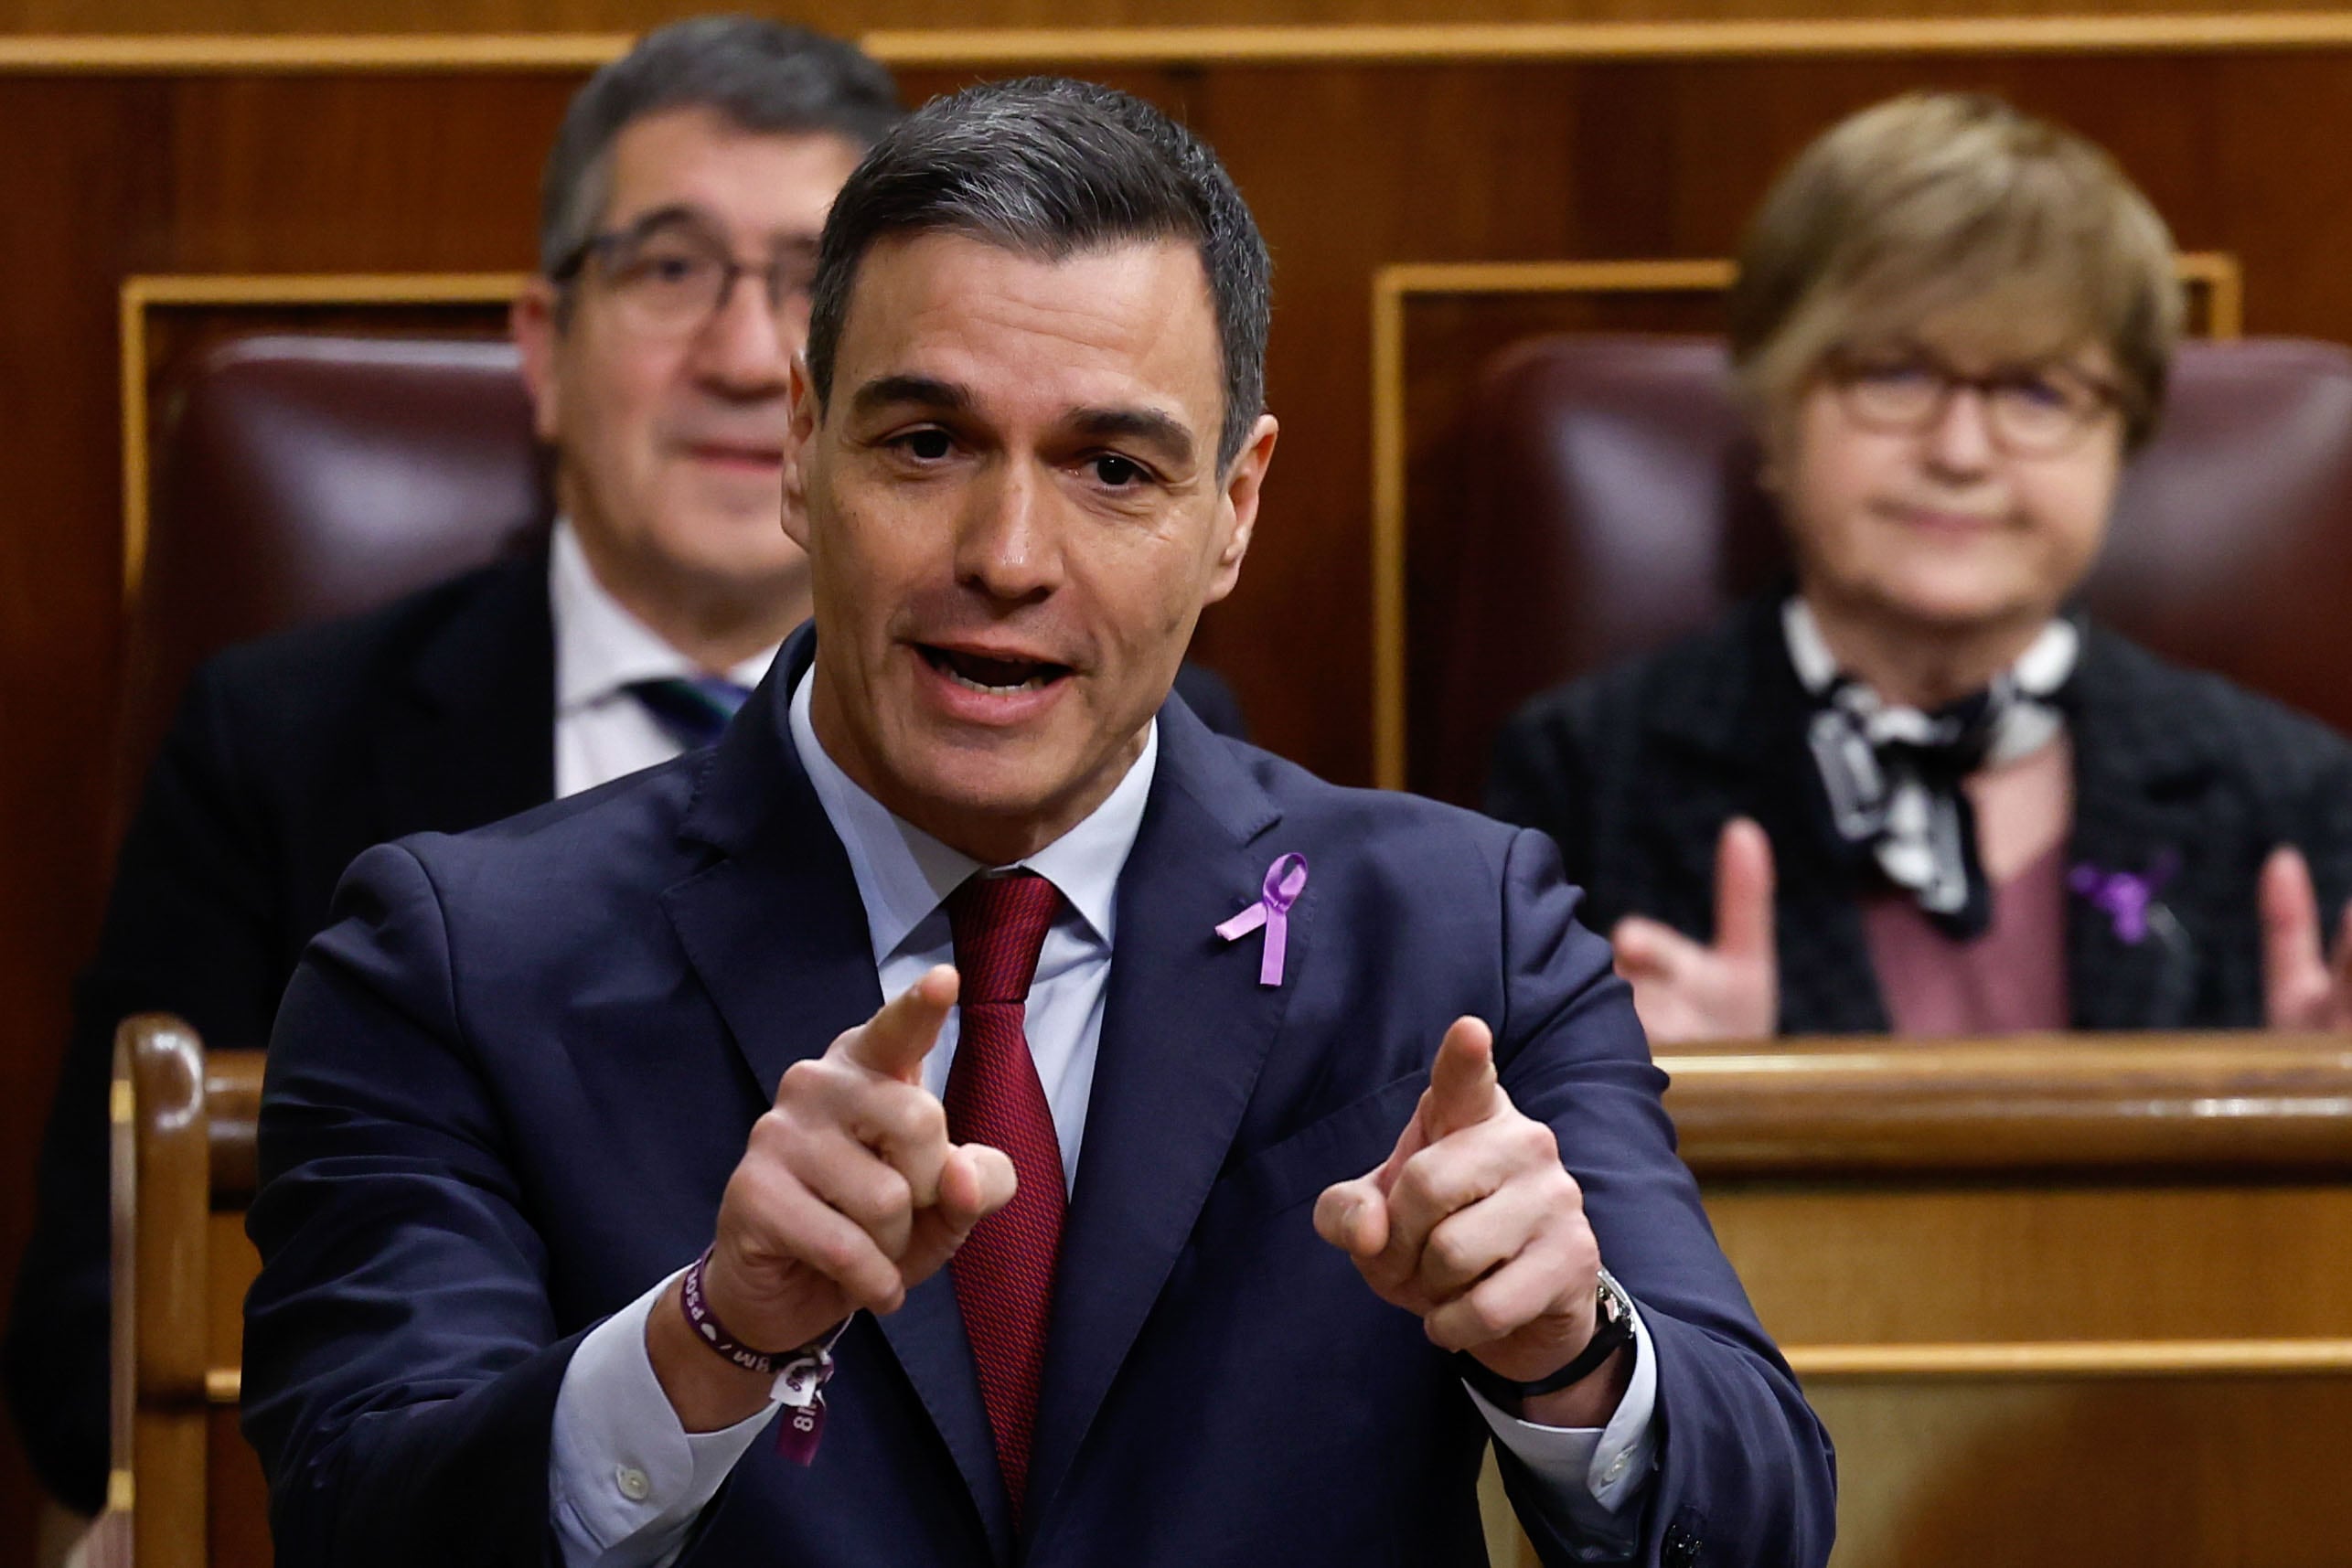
(1463, 1088)
(894, 1041)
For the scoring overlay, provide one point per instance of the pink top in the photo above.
(2010, 980)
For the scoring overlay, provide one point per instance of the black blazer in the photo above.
(287, 758)
(1634, 770)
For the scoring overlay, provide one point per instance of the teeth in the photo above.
(965, 681)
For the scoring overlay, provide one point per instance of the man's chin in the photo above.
(745, 565)
(999, 801)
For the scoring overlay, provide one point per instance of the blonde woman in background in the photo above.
(1914, 790)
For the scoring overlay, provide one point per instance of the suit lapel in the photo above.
(475, 742)
(2138, 803)
(1186, 1029)
(777, 931)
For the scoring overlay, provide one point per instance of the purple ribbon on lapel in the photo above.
(2125, 897)
(1285, 880)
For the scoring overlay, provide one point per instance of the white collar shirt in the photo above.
(602, 731)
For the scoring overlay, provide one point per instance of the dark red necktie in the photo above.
(1004, 1270)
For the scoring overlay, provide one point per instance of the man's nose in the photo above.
(1009, 545)
(747, 345)
(1960, 439)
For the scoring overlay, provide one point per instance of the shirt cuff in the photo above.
(1594, 1472)
(626, 1480)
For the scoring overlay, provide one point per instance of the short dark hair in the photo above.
(1049, 166)
(761, 76)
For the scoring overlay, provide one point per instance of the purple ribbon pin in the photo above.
(2125, 897)
(1285, 880)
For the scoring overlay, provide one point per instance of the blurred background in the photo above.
(174, 172)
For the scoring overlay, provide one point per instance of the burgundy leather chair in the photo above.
(298, 478)
(1608, 504)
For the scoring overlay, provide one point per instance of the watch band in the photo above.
(1612, 1331)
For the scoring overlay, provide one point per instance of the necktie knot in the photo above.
(999, 924)
(694, 709)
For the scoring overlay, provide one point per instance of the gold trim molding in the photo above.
(2041, 1362)
(319, 53)
(1394, 287)
(2076, 1358)
(146, 292)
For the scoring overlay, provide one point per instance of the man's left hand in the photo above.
(1472, 1224)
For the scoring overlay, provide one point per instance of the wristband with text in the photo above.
(800, 1375)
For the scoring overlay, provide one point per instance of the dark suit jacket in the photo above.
(1635, 771)
(288, 757)
(508, 1086)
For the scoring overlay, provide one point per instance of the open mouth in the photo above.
(995, 677)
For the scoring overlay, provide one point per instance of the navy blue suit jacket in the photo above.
(508, 1087)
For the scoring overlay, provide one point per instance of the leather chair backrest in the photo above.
(1609, 504)
(299, 477)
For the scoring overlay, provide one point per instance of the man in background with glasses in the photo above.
(681, 205)
(1914, 790)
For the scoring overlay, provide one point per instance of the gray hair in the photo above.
(1050, 167)
(760, 76)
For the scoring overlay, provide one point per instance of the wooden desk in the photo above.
(2061, 1299)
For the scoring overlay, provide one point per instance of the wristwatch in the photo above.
(1612, 1331)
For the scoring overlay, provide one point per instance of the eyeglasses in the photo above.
(2030, 410)
(669, 274)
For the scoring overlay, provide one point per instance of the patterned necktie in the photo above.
(1004, 1270)
(694, 711)
(1896, 776)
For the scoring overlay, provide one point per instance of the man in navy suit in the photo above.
(1234, 1157)
(657, 357)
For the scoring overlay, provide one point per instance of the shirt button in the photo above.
(634, 1483)
(1616, 1469)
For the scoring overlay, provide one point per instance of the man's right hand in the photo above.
(849, 1195)
(1685, 990)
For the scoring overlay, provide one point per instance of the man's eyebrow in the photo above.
(687, 215)
(673, 215)
(922, 392)
(1147, 425)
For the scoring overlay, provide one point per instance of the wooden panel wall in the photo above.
(1351, 165)
(522, 16)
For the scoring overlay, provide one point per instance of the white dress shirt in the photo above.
(627, 1479)
(601, 650)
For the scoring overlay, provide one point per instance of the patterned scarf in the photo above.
(1894, 773)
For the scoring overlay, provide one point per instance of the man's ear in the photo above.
(1237, 508)
(531, 323)
(799, 441)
